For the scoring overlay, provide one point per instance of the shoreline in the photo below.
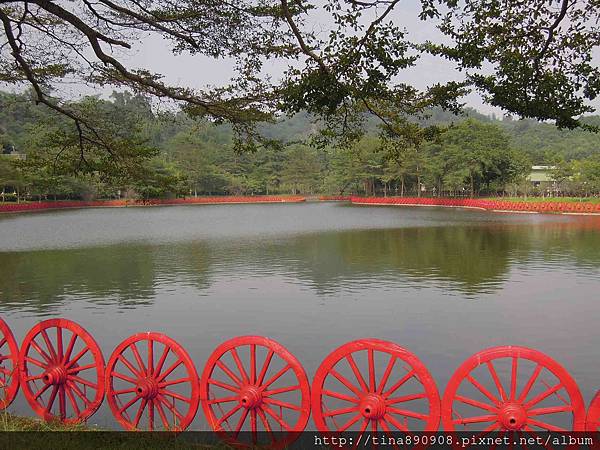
(578, 208)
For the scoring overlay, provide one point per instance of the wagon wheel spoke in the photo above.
(337, 412)
(483, 390)
(395, 423)
(229, 372)
(138, 359)
(476, 403)
(357, 374)
(49, 346)
(513, 378)
(543, 395)
(346, 383)
(223, 385)
(239, 365)
(265, 367)
(253, 363)
(549, 410)
(530, 383)
(41, 352)
(407, 413)
(275, 377)
(341, 396)
(476, 419)
(76, 358)
(271, 392)
(240, 423)
(129, 366)
(386, 374)
(70, 347)
(150, 361)
(546, 426)
(405, 398)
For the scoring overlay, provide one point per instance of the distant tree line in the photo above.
(169, 154)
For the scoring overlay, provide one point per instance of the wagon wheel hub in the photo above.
(55, 375)
(512, 416)
(147, 388)
(250, 397)
(372, 406)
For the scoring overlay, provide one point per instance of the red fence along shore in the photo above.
(35, 206)
(488, 205)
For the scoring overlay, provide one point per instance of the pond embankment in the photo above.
(493, 205)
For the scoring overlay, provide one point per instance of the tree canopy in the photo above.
(532, 58)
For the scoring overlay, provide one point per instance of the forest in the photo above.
(167, 154)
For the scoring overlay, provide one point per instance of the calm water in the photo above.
(442, 283)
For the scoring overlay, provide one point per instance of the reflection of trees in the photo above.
(470, 259)
(126, 274)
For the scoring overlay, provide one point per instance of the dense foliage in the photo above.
(171, 154)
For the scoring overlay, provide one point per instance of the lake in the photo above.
(444, 283)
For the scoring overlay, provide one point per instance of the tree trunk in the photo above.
(472, 186)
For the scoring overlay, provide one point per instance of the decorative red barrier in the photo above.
(405, 390)
(71, 365)
(254, 384)
(276, 388)
(9, 376)
(492, 205)
(35, 206)
(468, 402)
(593, 417)
(162, 392)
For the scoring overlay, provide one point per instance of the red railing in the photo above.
(34, 206)
(490, 205)
(253, 383)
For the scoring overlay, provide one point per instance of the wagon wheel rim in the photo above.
(592, 422)
(513, 402)
(151, 378)
(369, 399)
(62, 371)
(9, 374)
(256, 386)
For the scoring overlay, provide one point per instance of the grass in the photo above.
(34, 434)
(547, 199)
(10, 422)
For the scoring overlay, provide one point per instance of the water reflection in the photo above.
(468, 260)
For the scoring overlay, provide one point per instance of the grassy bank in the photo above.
(10, 422)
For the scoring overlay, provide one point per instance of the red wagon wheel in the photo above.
(512, 389)
(62, 371)
(9, 356)
(593, 417)
(152, 384)
(393, 392)
(252, 384)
